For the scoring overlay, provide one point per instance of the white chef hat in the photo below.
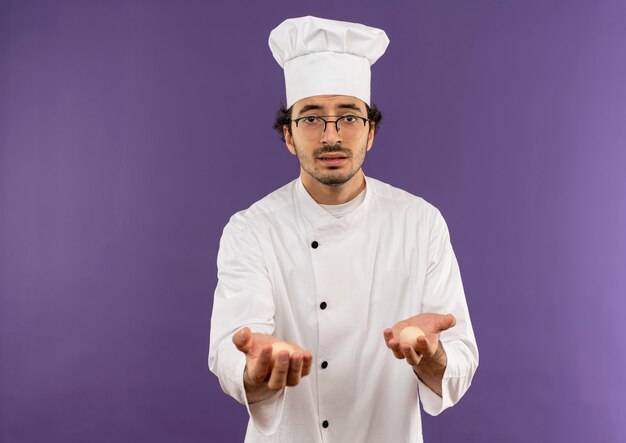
(323, 56)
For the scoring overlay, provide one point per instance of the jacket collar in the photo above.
(319, 219)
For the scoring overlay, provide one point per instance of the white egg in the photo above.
(410, 334)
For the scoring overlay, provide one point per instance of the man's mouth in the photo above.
(332, 157)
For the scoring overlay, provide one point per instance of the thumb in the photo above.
(243, 340)
(446, 321)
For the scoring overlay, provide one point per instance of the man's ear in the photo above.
(370, 135)
(288, 139)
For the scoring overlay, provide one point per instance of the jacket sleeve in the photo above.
(444, 294)
(243, 297)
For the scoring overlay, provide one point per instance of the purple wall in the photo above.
(131, 131)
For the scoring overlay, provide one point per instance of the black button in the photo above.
(324, 364)
(314, 245)
(323, 305)
(325, 423)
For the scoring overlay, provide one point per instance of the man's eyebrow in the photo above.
(349, 106)
(310, 107)
(313, 106)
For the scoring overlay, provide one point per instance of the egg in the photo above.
(409, 335)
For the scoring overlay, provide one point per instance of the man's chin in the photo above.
(334, 179)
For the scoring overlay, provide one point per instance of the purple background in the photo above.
(131, 131)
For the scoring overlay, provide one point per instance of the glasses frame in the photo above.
(326, 122)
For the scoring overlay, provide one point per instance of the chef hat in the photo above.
(323, 56)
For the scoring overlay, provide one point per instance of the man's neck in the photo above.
(333, 195)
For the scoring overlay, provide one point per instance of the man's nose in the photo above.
(331, 135)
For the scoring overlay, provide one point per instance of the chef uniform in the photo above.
(332, 283)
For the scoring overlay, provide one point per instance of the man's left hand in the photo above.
(427, 347)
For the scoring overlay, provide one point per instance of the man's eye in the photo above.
(350, 118)
(309, 120)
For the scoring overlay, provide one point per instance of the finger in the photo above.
(394, 345)
(307, 362)
(422, 345)
(388, 334)
(243, 340)
(410, 355)
(446, 322)
(295, 368)
(259, 368)
(278, 377)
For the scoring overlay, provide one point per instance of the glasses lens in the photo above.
(350, 125)
(311, 127)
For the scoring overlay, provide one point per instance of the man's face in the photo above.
(331, 158)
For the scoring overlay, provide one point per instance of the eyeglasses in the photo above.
(313, 126)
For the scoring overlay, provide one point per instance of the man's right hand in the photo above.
(259, 381)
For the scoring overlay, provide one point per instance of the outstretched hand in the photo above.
(427, 346)
(261, 380)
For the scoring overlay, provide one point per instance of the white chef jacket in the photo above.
(284, 258)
